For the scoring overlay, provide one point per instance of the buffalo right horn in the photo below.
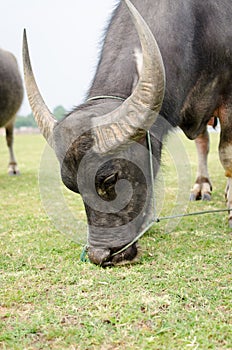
(43, 116)
(139, 111)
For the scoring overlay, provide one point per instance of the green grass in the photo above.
(178, 296)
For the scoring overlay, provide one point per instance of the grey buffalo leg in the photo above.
(202, 187)
(225, 151)
(12, 168)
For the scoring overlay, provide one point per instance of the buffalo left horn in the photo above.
(43, 116)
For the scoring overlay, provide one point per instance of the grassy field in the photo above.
(179, 295)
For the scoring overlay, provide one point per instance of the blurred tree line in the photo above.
(29, 120)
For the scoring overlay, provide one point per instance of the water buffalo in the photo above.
(172, 68)
(11, 96)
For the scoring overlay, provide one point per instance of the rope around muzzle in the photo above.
(156, 219)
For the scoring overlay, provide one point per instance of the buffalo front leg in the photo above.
(12, 167)
(225, 151)
(202, 187)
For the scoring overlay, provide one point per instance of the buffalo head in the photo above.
(101, 150)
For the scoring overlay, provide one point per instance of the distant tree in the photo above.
(27, 121)
(59, 112)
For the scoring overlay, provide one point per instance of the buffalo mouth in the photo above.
(109, 257)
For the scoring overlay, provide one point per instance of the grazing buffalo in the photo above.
(11, 96)
(163, 64)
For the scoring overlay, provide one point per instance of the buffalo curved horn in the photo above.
(139, 111)
(43, 116)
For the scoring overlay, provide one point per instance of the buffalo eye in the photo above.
(106, 187)
(110, 180)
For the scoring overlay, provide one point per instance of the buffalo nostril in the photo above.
(98, 255)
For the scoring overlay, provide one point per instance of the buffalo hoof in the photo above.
(13, 172)
(13, 169)
(230, 222)
(206, 197)
(193, 197)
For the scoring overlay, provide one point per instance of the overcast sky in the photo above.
(64, 39)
